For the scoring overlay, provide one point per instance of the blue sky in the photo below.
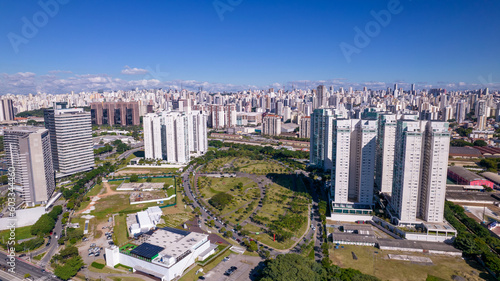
(121, 44)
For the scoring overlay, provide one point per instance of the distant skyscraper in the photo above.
(174, 136)
(447, 113)
(27, 150)
(271, 125)
(115, 113)
(152, 137)
(70, 139)
(481, 114)
(305, 127)
(460, 111)
(322, 95)
(320, 151)
(6, 110)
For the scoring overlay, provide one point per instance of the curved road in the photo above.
(314, 219)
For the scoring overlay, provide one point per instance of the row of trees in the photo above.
(473, 239)
(293, 267)
(46, 223)
(462, 143)
(104, 149)
(67, 263)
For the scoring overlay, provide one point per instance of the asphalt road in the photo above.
(311, 234)
(53, 243)
(22, 267)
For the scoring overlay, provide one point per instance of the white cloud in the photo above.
(28, 82)
(134, 71)
(59, 71)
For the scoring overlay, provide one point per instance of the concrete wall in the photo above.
(430, 238)
(350, 218)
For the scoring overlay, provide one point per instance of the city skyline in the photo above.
(241, 45)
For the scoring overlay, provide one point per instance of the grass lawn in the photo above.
(95, 190)
(106, 269)
(39, 257)
(145, 171)
(117, 203)
(278, 203)
(126, 278)
(177, 215)
(120, 231)
(21, 233)
(216, 164)
(382, 267)
(235, 211)
(191, 275)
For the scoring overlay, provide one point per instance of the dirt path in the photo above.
(93, 199)
(109, 191)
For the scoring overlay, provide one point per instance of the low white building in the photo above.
(145, 220)
(166, 254)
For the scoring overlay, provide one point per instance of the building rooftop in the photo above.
(494, 177)
(409, 244)
(350, 237)
(174, 241)
(488, 151)
(464, 173)
(465, 151)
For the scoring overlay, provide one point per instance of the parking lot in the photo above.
(244, 265)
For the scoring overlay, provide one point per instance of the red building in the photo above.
(466, 177)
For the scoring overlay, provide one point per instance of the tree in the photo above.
(480, 143)
(253, 246)
(220, 200)
(69, 269)
(43, 225)
(149, 179)
(134, 178)
(460, 143)
(297, 268)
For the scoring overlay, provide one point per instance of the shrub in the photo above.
(98, 265)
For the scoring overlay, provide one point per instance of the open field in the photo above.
(95, 190)
(120, 230)
(382, 267)
(21, 233)
(260, 166)
(278, 202)
(117, 203)
(240, 207)
(217, 164)
(177, 215)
